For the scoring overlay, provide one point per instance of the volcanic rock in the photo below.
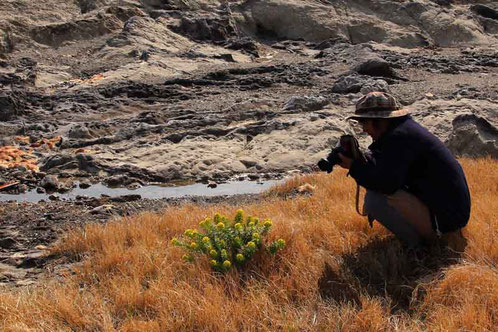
(375, 67)
(306, 103)
(473, 136)
(7, 243)
(357, 83)
(50, 183)
(8, 106)
(79, 131)
(485, 11)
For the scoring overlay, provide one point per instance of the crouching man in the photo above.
(415, 187)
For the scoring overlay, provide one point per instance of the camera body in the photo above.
(348, 146)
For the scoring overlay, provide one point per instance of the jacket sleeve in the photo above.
(386, 170)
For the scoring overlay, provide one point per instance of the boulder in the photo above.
(374, 85)
(473, 136)
(306, 103)
(357, 83)
(79, 131)
(85, 184)
(80, 161)
(375, 67)
(50, 183)
(205, 28)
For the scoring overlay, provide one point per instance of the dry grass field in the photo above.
(335, 274)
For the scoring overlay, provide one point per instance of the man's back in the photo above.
(410, 157)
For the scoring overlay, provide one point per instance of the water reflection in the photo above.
(151, 192)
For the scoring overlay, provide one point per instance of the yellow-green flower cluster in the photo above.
(276, 246)
(227, 243)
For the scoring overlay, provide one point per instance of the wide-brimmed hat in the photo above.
(377, 105)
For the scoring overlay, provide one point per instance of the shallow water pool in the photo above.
(151, 191)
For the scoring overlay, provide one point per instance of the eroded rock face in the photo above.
(405, 24)
(55, 34)
(468, 127)
(166, 90)
(473, 136)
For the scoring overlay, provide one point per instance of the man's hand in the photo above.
(345, 161)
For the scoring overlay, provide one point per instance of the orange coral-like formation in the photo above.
(12, 157)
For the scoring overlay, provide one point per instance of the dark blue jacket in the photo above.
(409, 157)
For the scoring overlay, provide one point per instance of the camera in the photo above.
(327, 164)
(348, 146)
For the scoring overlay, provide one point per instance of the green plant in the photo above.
(228, 243)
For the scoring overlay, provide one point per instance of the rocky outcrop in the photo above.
(406, 24)
(55, 34)
(468, 127)
(166, 90)
(473, 136)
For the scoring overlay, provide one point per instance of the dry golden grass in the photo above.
(336, 274)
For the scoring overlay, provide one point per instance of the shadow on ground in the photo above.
(383, 268)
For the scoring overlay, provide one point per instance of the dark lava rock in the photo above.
(253, 177)
(7, 243)
(41, 190)
(117, 180)
(205, 28)
(126, 198)
(85, 185)
(50, 182)
(375, 67)
(8, 107)
(87, 5)
(485, 11)
(54, 197)
(32, 260)
(245, 45)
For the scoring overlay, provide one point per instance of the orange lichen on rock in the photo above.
(49, 143)
(21, 139)
(12, 157)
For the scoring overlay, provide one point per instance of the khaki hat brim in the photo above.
(380, 115)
